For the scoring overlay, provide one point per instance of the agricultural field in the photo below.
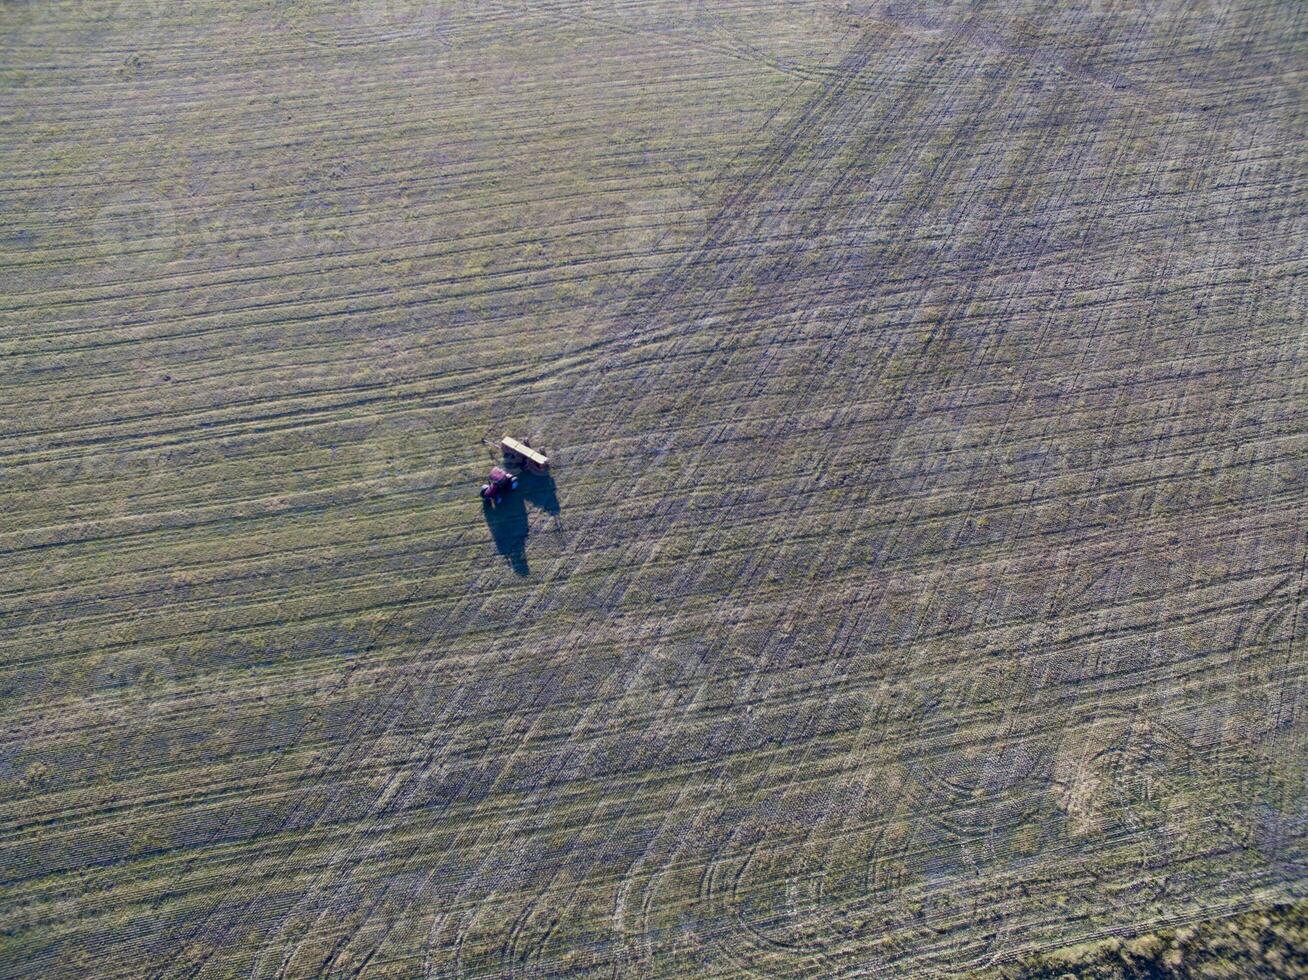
(919, 585)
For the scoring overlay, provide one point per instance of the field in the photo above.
(919, 587)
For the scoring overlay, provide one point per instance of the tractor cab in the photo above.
(501, 483)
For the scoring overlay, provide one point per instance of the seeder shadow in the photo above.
(539, 491)
(507, 522)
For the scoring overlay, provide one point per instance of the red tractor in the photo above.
(501, 482)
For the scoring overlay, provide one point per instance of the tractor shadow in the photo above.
(508, 522)
(508, 527)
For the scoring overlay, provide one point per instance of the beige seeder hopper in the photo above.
(521, 454)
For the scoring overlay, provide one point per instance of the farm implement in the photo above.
(517, 454)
